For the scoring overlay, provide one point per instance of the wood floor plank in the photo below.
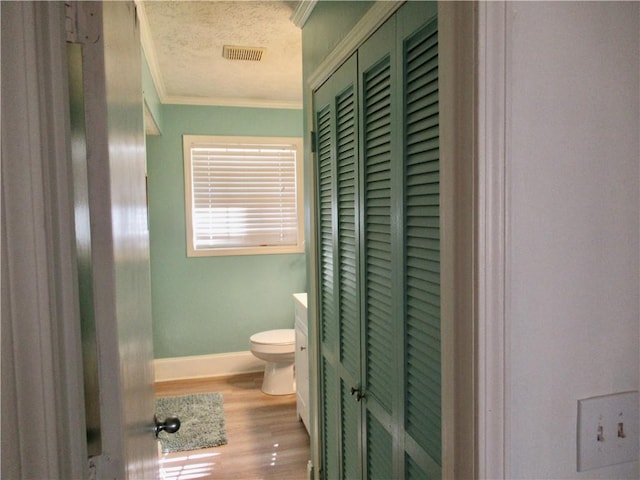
(265, 438)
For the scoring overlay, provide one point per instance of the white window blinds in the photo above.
(242, 195)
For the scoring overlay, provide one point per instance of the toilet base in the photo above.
(278, 379)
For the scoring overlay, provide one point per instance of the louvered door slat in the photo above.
(422, 273)
(377, 198)
(425, 50)
(413, 470)
(424, 69)
(346, 160)
(328, 324)
(330, 421)
(379, 452)
(425, 97)
(417, 146)
(325, 180)
(351, 413)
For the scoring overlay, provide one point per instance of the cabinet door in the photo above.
(335, 113)
(302, 375)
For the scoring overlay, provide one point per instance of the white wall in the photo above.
(573, 158)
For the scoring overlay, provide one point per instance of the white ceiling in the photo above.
(183, 43)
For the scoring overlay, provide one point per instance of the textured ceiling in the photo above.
(183, 42)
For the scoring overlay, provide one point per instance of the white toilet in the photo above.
(277, 348)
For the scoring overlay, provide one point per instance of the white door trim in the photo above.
(492, 242)
(41, 360)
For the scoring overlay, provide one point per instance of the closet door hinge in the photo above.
(82, 22)
(314, 146)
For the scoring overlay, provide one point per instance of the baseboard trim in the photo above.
(198, 366)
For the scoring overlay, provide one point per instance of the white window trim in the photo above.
(188, 140)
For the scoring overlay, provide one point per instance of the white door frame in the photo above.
(42, 386)
(492, 278)
(43, 409)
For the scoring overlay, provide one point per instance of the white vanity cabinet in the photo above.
(302, 359)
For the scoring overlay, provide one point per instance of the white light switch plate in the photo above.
(607, 430)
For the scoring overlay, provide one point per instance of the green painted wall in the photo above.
(327, 26)
(208, 305)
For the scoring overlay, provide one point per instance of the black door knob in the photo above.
(357, 392)
(170, 425)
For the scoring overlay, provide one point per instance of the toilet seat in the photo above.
(274, 337)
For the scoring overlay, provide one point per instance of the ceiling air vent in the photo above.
(233, 52)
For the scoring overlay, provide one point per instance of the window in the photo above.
(243, 195)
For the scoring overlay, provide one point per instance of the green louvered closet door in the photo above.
(376, 123)
(337, 156)
(380, 172)
(421, 436)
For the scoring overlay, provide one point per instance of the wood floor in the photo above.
(265, 438)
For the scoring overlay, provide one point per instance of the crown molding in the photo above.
(149, 51)
(302, 12)
(232, 102)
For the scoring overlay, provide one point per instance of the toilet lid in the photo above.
(275, 337)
